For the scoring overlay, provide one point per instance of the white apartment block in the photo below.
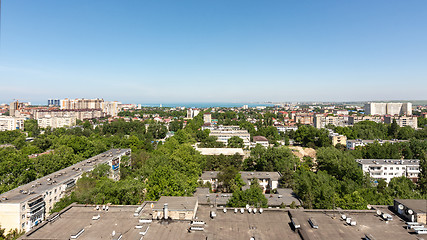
(352, 144)
(56, 122)
(390, 168)
(402, 121)
(191, 113)
(28, 205)
(267, 180)
(388, 108)
(224, 135)
(8, 123)
(282, 128)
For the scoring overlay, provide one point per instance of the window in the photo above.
(23, 225)
(23, 207)
(23, 216)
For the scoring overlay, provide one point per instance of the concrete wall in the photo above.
(10, 216)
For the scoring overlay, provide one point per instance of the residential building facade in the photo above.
(389, 168)
(8, 123)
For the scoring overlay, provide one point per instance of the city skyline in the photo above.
(192, 51)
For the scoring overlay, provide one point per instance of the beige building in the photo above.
(402, 121)
(81, 103)
(207, 118)
(80, 114)
(8, 123)
(56, 122)
(175, 208)
(28, 205)
(111, 108)
(336, 138)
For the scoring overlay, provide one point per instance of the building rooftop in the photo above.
(176, 203)
(283, 195)
(414, 162)
(231, 224)
(219, 151)
(41, 185)
(119, 219)
(260, 139)
(417, 205)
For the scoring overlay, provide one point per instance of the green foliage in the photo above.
(175, 125)
(310, 136)
(252, 196)
(270, 159)
(230, 180)
(211, 142)
(217, 162)
(31, 127)
(235, 142)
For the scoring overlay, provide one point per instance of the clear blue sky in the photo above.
(147, 51)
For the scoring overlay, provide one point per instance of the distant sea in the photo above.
(206, 104)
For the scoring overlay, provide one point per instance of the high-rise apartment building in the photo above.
(388, 108)
(54, 102)
(110, 108)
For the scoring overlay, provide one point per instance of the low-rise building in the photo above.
(27, 206)
(352, 144)
(282, 128)
(337, 138)
(219, 151)
(389, 168)
(267, 180)
(263, 141)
